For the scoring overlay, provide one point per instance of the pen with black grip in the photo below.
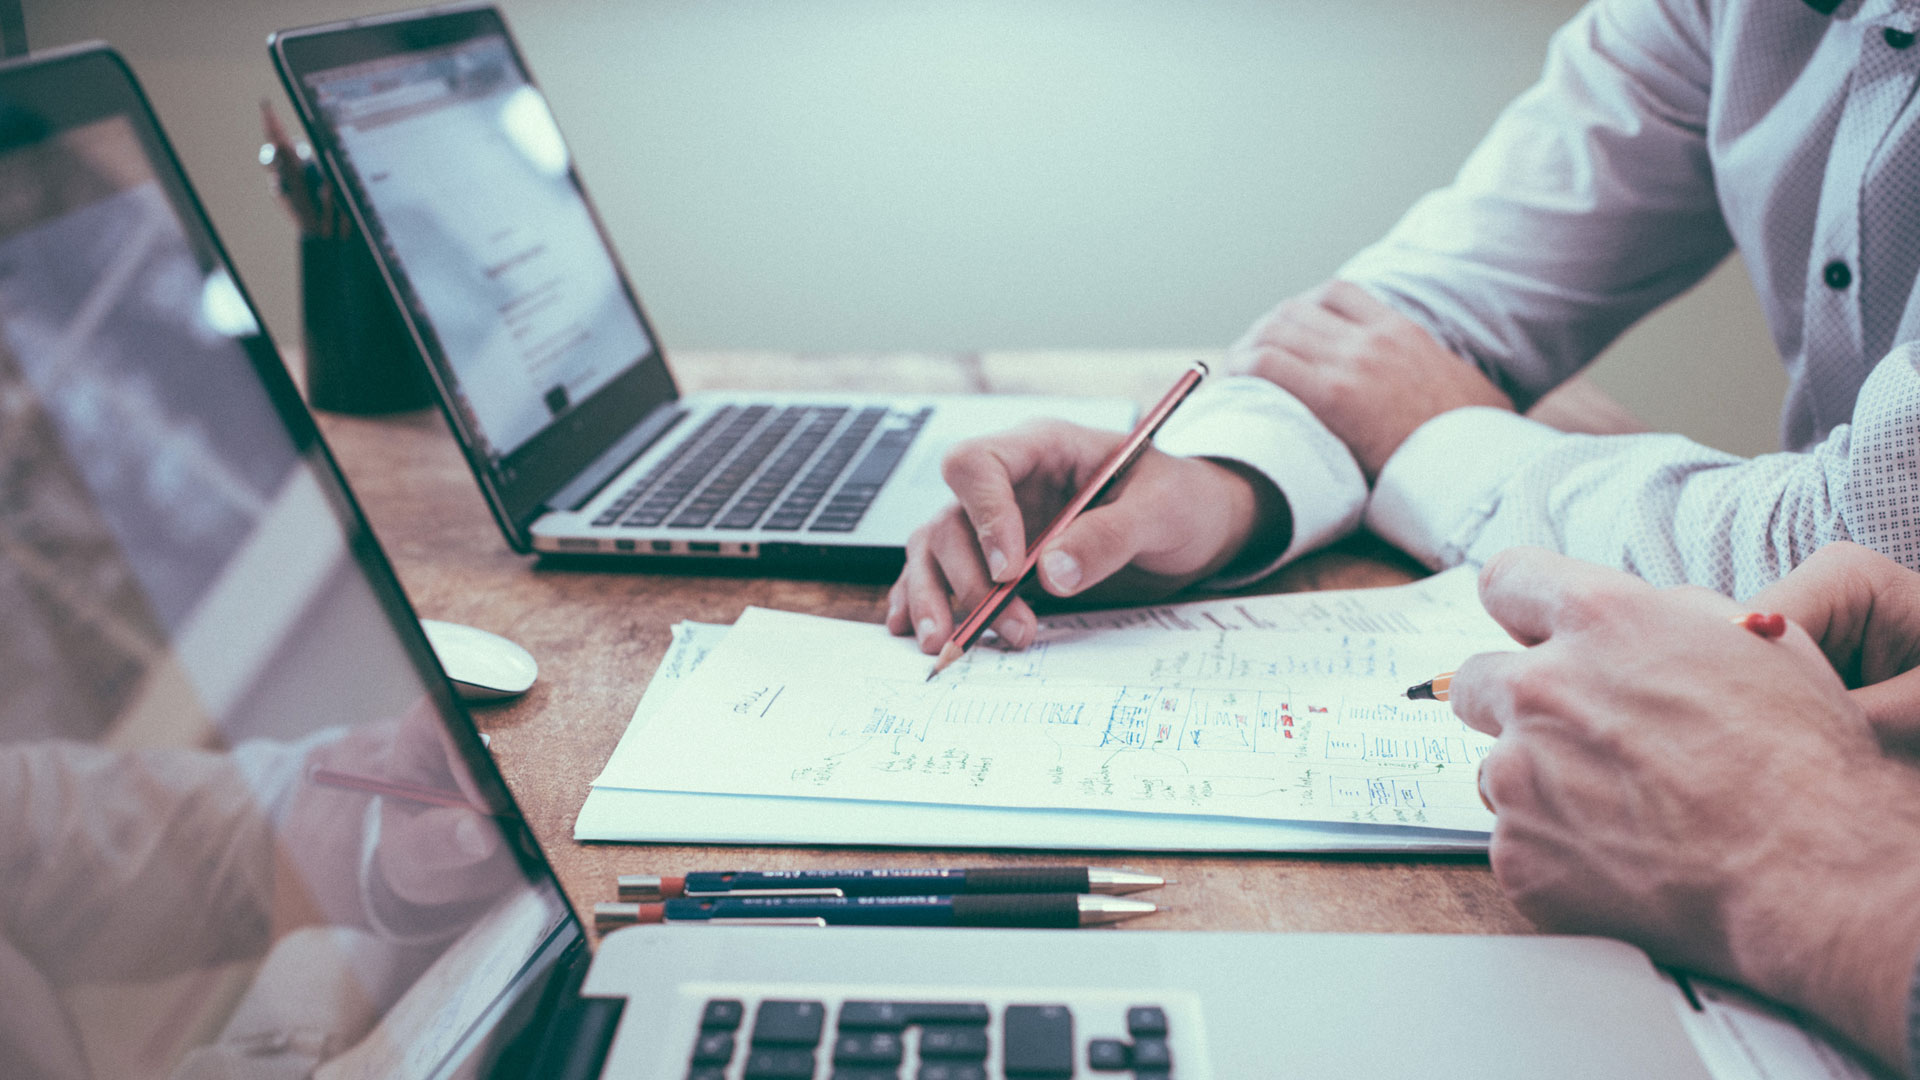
(1036, 910)
(885, 882)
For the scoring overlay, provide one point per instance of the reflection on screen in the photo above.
(205, 869)
(470, 182)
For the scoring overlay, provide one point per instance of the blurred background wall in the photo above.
(865, 175)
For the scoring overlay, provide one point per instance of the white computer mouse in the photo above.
(483, 666)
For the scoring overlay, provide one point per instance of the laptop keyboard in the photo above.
(926, 1040)
(780, 469)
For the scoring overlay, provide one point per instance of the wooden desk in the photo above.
(599, 635)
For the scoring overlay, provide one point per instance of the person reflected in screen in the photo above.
(184, 869)
(190, 663)
(1739, 806)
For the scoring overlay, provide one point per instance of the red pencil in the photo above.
(976, 623)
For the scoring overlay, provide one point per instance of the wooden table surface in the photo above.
(598, 636)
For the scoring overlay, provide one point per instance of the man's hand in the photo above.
(1717, 798)
(1369, 373)
(1864, 610)
(1171, 521)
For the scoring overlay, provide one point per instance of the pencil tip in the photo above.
(948, 654)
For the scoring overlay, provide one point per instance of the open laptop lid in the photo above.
(454, 167)
(247, 829)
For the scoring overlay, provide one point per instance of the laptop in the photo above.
(249, 831)
(549, 373)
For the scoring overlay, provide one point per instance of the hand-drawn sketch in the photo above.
(1293, 712)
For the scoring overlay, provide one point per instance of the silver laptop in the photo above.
(249, 832)
(546, 366)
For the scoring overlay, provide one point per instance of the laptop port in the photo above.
(623, 545)
(704, 547)
(663, 546)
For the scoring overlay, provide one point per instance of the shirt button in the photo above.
(1836, 275)
(1896, 39)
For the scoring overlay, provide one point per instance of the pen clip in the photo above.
(793, 921)
(712, 894)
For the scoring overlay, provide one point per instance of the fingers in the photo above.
(1353, 303)
(985, 473)
(928, 610)
(1862, 608)
(944, 573)
(1893, 709)
(1532, 592)
(1096, 545)
(1830, 595)
(1482, 694)
(438, 856)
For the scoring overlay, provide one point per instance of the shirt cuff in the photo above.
(1254, 423)
(1444, 482)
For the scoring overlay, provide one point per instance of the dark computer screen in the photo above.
(242, 830)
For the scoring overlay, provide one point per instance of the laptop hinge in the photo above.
(608, 465)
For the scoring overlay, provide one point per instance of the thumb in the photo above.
(1094, 547)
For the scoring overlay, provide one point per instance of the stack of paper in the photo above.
(1263, 724)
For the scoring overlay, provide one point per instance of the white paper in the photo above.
(618, 814)
(1300, 721)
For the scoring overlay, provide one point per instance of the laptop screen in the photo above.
(244, 829)
(468, 177)
(462, 180)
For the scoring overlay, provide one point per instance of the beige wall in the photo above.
(880, 174)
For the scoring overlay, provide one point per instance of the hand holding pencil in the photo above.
(1167, 522)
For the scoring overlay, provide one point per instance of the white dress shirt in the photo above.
(1662, 135)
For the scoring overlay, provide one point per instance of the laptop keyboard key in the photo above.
(713, 1048)
(1108, 1055)
(864, 1072)
(788, 1023)
(779, 1064)
(722, 1014)
(868, 1048)
(963, 1043)
(873, 1016)
(1038, 1041)
(948, 1012)
(1146, 1020)
(952, 1070)
(1152, 1054)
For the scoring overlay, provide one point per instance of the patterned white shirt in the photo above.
(1662, 135)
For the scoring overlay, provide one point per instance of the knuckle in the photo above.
(1516, 868)
(963, 461)
(1595, 606)
(1532, 690)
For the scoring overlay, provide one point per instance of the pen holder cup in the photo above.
(360, 358)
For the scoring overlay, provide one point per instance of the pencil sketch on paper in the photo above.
(1255, 721)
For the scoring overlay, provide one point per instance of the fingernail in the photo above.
(996, 562)
(926, 630)
(1019, 635)
(1063, 570)
(893, 608)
